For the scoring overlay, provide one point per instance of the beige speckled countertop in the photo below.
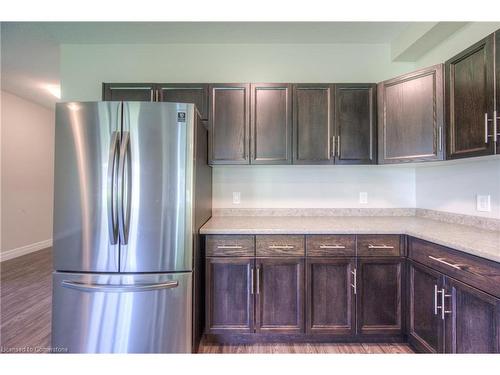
(480, 242)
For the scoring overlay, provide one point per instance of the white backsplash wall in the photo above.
(314, 186)
(453, 187)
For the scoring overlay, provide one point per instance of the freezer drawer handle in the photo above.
(88, 287)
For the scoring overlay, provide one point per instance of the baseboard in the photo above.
(23, 250)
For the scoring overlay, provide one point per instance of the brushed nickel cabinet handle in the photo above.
(258, 280)
(370, 246)
(355, 283)
(338, 146)
(332, 247)
(485, 128)
(332, 154)
(495, 126)
(435, 299)
(281, 247)
(440, 138)
(443, 310)
(494, 120)
(440, 260)
(229, 247)
(251, 280)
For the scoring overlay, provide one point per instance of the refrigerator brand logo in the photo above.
(181, 116)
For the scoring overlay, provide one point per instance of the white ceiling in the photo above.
(30, 50)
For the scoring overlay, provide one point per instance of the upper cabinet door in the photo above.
(497, 87)
(196, 93)
(313, 124)
(410, 112)
(355, 124)
(271, 123)
(470, 101)
(133, 92)
(229, 123)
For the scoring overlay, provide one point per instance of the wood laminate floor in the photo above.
(25, 304)
(208, 348)
(25, 320)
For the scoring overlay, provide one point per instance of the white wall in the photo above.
(314, 186)
(463, 38)
(27, 167)
(453, 187)
(85, 67)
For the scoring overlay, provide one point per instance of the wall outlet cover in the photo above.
(236, 197)
(483, 203)
(363, 197)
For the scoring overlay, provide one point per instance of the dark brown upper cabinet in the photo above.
(313, 132)
(410, 117)
(379, 296)
(229, 295)
(195, 93)
(497, 88)
(229, 123)
(141, 92)
(472, 319)
(271, 123)
(331, 302)
(470, 86)
(279, 295)
(355, 124)
(425, 324)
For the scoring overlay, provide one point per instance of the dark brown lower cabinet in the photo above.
(279, 295)
(229, 295)
(330, 296)
(379, 296)
(472, 320)
(425, 325)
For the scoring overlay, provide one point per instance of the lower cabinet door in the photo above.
(425, 324)
(279, 295)
(472, 319)
(330, 296)
(229, 295)
(379, 296)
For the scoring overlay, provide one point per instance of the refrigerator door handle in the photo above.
(90, 287)
(124, 188)
(111, 198)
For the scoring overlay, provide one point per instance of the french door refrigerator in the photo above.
(128, 177)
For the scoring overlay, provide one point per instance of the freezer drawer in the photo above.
(127, 313)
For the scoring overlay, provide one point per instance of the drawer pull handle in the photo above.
(370, 246)
(440, 260)
(332, 247)
(229, 247)
(281, 246)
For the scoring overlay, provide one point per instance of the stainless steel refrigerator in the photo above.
(132, 187)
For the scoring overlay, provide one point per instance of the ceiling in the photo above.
(30, 50)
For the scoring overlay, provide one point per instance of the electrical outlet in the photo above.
(363, 197)
(236, 197)
(483, 203)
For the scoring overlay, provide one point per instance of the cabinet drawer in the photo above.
(279, 245)
(379, 245)
(480, 273)
(230, 246)
(330, 245)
